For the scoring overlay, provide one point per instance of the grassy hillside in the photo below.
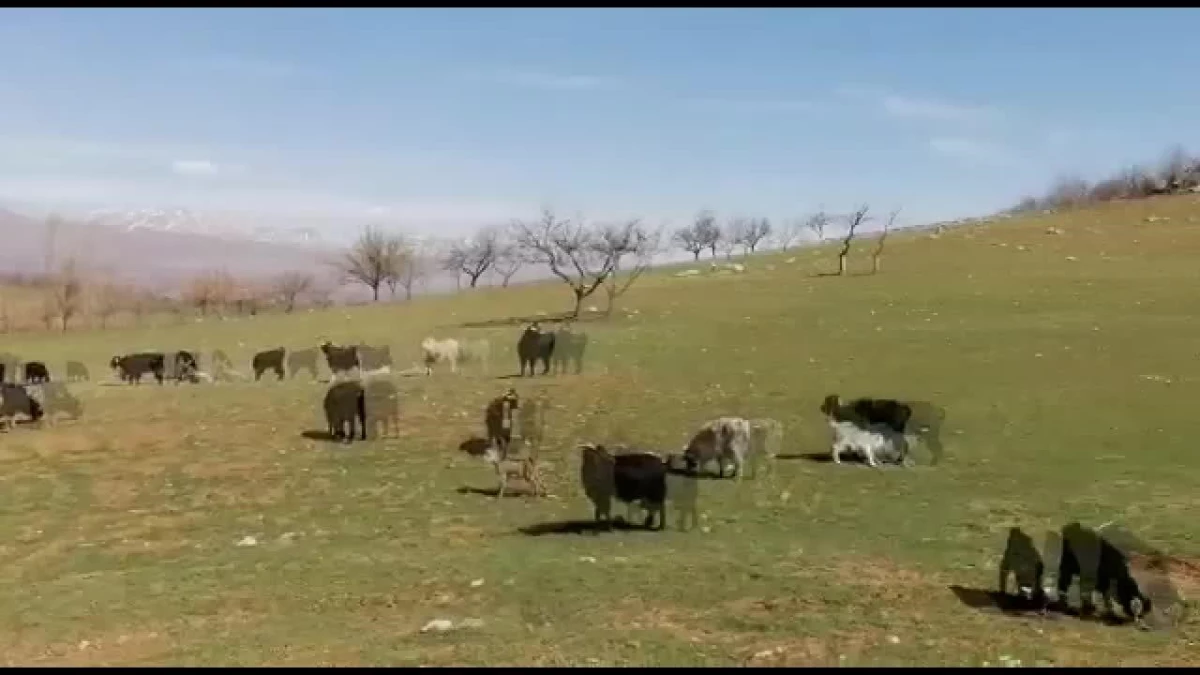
(1067, 360)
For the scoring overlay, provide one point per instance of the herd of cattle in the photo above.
(876, 430)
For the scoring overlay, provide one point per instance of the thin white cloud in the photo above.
(194, 167)
(939, 111)
(973, 151)
(542, 80)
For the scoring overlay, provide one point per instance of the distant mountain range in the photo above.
(157, 247)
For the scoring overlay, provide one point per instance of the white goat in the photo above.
(876, 443)
(447, 350)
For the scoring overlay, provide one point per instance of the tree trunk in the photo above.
(875, 264)
(578, 303)
(408, 292)
(474, 280)
(696, 256)
(842, 264)
(375, 292)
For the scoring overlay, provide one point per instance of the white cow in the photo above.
(447, 350)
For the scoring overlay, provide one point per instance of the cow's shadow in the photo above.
(618, 524)
(987, 600)
(509, 491)
(474, 446)
(326, 437)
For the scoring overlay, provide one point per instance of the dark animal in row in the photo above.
(498, 420)
(131, 367)
(340, 359)
(345, 402)
(36, 372)
(14, 401)
(633, 478)
(184, 367)
(270, 360)
(535, 346)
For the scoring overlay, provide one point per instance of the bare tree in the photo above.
(473, 256)
(367, 262)
(210, 292)
(66, 293)
(291, 286)
(509, 260)
(853, 221)
(878, 253)
(398, 256)
(750, 233)
(817, 223)
(630, 240)
(707, 231)
(787, 235)
(569, 249)
(728, 237)
(690, 240)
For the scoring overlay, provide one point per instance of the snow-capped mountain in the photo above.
(184, 221)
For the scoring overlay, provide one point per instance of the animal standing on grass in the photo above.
(15, 401)
(132, 367)
(498, 420)
(186, 367)
(535, 346)
(341, 360)
(723, 439)
(916, 420)
(268, 361)
(877, 443)
(435, 351)
(524, 468)
(56, 400)
(344, 403)
(630, 477)
(569, 347)
(36, 372)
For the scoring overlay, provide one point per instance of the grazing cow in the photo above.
(184, 367)
(382, 407)
(498, 420)
(345, 402)
(339, 359)
(56, 400)
(270, 360)
(375, 359)
(1023, 563)
(14, 401)
(535, 346)
(1101, 568)
(76, 372)
(568, 350)
(633, 478)
(131, 367)
(440, 351)
(725, 438)
(877, 443)
(303, 359)
(36, 372)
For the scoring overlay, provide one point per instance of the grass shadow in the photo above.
(320, 436)
(510, 491)
(581, 527)
(987, 600)
(818, 457)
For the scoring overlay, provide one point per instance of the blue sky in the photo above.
(440, 120)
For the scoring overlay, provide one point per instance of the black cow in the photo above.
(131, 367)
(345, 402)
(1024, 565)
(303, 359)
(187, 367)
(498, 420)
(77, 372)
(535, 346)
(1101, 568)
(15, 400)
(374, 358)
(269, 360)
(568, 350)
(383, 407)
(339, 359)
(36, 373)
(633, 478)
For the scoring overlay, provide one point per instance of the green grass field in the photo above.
(1069, 365)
